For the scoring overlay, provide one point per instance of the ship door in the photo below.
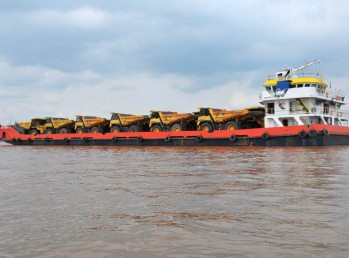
(326, 108)
(270, 108)
(285, 122)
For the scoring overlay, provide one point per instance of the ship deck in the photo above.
(315, 135)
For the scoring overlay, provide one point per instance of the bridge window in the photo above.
(320, 88)
(307, 85)
(299, 85)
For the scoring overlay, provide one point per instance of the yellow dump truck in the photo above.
(91, 124)
(47, 125)
(171, 121)
(210, 119)
(31, 126)
(128, 123)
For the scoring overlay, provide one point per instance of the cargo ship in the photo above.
(299, 109)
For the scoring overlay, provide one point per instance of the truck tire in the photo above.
(177, 128)
(63, 131)
(33, 132)
(231, 125)
(206, 127)
(80, 130)
(156, 128)
(134, 128)
(96, 130)
(115, 129)
(49, 131)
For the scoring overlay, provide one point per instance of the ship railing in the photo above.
(331, 94)
(314, 111)
(300, 74)
(309, 73)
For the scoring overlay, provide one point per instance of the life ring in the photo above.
(312, 132)
(325, 132)
(167, 138)
(302, 134)
(199, 138)
(265, 136)
(327, 94)
(337, 97)
(233, 138)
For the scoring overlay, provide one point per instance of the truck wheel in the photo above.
(134, 128)
(177, 128)
(63, 131)
(206, 127)
(156, 128)
(34, 132)
(96, 130)
(80, 130)
(231, 125)
(115, 129)
(49, 131)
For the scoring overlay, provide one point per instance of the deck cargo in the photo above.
(128, 123)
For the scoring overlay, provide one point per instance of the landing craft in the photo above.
(299, 110)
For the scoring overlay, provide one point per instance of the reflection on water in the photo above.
(174, 202)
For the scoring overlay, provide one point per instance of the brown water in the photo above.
(174, 202)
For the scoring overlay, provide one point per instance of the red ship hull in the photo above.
(316, 135)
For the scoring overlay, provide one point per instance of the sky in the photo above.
(66, 58)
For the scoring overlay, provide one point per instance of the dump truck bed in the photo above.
(128, 120)
(59, 123)
(90, 121)
(169, 118)
(221, 116)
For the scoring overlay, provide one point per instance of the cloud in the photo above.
(88, 93)
(84, 17)
(133, 56)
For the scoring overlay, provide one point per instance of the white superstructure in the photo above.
(301, 97)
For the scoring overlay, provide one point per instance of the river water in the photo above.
(174, 202)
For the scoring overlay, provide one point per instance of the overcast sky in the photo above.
(63, 58)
